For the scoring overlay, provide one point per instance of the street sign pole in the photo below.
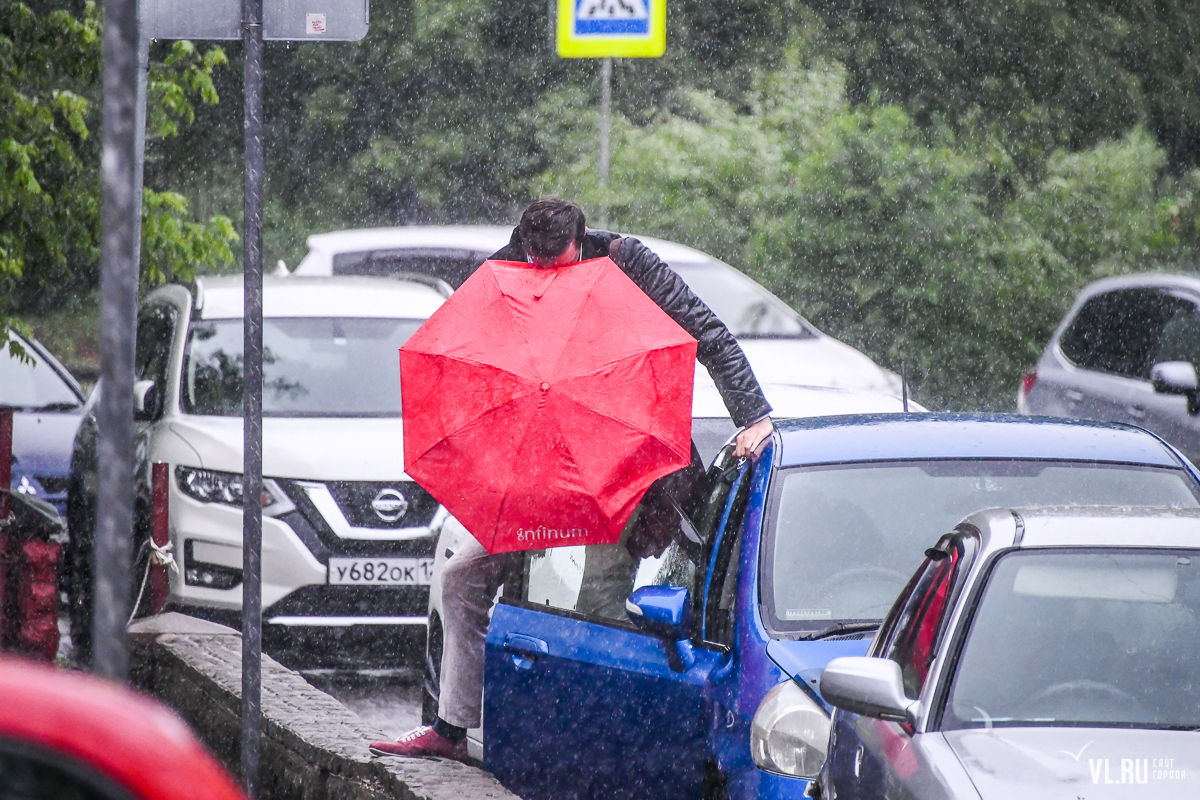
(120, 208)
(605, 116)
(252, 332)
(608, 30)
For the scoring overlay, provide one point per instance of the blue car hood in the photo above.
(805, 661)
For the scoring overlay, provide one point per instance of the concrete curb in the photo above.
(314, 748)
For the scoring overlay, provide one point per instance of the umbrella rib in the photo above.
(512, 471)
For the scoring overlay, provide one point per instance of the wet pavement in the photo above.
(386, 699)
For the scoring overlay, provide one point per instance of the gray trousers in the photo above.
(470, 580)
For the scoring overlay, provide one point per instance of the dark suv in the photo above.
(1126, 352)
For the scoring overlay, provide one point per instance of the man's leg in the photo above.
(470, 579)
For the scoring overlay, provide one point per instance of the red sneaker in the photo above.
(422, 742)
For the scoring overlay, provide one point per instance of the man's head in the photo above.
(551, 231)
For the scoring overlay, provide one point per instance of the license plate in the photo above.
(381, 571)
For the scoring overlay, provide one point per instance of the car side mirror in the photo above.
(145, 400)
(872, 687)
(662, 611)
(1174, 377)
(1177, 377)
(665, 612)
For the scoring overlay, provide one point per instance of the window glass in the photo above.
(916, 630)
(1119, 331)
(746, 308)
(33, 386)
(152, 358)
(1180, 339)
(26, 777)
(843, 540)
(322, 366)
(452, 266)
(1100, 637)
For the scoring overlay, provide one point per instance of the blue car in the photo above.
(47, 406)
(695, 674)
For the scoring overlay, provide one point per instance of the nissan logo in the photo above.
(389, 505)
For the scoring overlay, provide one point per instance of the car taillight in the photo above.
(1028, 380)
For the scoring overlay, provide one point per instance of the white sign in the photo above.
(283, 20)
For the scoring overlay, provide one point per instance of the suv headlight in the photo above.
(210, 486)
(790, 732)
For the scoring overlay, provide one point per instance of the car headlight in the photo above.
(210, 486)
(790, 732)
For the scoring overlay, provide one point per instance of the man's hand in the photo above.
(749, 438)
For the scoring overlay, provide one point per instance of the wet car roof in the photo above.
(1099, 526)
(890, 437)
(341, 296)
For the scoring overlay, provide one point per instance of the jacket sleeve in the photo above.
(716, 348)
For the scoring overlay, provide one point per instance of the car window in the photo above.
(1180, 338)
(596, 580)
(1119, 331)
(27, 774)
(152, 358)
(842, 540)
(746, 308)
(451, 266)
(318, 366)
(1095, 637)
(913, 630)
(33, 385)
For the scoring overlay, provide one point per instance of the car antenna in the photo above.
(904, 386)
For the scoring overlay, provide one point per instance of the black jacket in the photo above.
(716, 348)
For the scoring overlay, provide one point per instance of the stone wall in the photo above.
(313, 747)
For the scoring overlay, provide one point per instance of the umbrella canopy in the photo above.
(540, 404)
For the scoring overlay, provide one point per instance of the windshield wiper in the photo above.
(839, 628)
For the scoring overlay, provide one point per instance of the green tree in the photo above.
(49, 191)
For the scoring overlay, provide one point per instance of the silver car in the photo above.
(1047, 653)
(1127, 351)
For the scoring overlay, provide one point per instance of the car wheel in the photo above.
(432, 670)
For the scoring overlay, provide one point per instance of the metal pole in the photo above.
(139, 164)
(120, 207)
(252, 78)
(605, 114)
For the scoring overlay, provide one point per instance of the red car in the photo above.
(71, 736)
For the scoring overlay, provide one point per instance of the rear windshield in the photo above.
(844, 540)
(312, 367)
(1100, 638)
(747, 309)
(33, 385)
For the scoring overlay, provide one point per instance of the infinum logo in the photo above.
(544, 534)
(389, 505)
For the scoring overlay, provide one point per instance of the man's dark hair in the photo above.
(549, 225)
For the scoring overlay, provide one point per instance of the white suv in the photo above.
(782, 346)
(347, 538)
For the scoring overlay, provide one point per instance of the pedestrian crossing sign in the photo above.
(612, 28)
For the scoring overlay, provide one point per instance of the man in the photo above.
(553, 233)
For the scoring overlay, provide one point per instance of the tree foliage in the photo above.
(49, 187)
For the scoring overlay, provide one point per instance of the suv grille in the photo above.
(401, 504)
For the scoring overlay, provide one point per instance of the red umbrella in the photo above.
(540, 404)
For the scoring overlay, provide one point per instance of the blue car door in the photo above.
(579, 703)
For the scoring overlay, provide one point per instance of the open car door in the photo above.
(579, 701)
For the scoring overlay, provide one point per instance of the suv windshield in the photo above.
(844, 540)
(1096, 638)
(747, 309)
(33, 387)
(312, 367)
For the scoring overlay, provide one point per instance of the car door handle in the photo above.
(525, 650)
(1073, 395)
(1136, 411)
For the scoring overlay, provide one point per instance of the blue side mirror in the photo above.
(662, 611)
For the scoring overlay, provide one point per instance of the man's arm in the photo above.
(716, 348)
